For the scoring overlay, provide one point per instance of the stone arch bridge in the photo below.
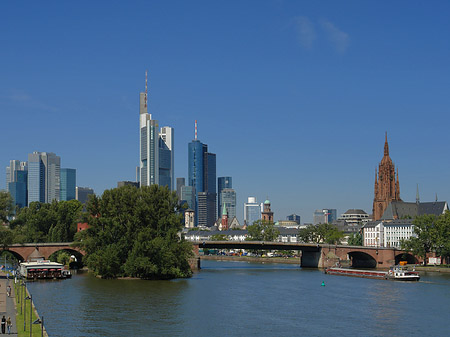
(23, 252)
(322, 255)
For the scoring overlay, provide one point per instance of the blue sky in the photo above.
(293, 97)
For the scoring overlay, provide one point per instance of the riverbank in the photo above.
(290, 260)
(435, 269)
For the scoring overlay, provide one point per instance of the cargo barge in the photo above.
(397, 273)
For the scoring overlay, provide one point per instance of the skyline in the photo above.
(294, 99)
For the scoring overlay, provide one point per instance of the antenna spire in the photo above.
(195, 129)
(145, 98)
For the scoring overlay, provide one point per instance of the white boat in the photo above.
(401, 273)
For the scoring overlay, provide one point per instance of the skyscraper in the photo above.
(228, 197)
(156, 148)
(222, 182)
(180, 183)
(18, 188)
(325, 215)
(252, 211)
(14, 166)
(202, 176)
(44, 177)
(82, 194)
(68, 184)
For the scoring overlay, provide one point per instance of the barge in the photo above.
(43, 269)
(397, 273)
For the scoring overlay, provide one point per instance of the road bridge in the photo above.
(321, 255)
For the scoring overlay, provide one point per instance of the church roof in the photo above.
(267, 202)
(401, 209)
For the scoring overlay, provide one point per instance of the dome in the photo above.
(267, 202)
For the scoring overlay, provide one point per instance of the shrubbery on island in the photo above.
(133, 232)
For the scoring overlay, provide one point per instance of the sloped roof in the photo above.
(401, 209)
(355, 211)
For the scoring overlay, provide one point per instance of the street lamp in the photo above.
(41, 322)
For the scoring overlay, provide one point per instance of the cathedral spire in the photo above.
(386, 146)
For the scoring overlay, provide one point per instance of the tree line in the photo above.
(133, 232)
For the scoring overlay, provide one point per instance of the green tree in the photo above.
(134, 232)
(6, 238)
(443, 236)
(67, 215)
(6, 206)
(426, 236)
(219, 237)
(262, 230)
(322, 233)
(355, 239)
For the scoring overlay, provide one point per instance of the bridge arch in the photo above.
(410, 259)
(16, 255)
(362, 260)
(78, 255)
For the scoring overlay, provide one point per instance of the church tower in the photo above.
(387, 186)
(267, 214)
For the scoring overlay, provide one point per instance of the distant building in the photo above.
(228, 198)
(222, 183)
(202, 176)
(180, 183)
(189, 218)
(287, 224)
(81, 226)
(355, 217)
(82, 194)
(294, 217)
(68, 184)
(387, 185)
(188, 195)
(396, 231)
(156, 148)
(267, 214)
(373, 234)
(44, 179)
(18, 188)
(14, 166)
(127, 183)
(252, 211)
(326, 215)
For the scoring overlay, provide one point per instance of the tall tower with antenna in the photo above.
(156, 147)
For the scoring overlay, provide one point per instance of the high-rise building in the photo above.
(127, 183)
(14, 166)
(18, 188)
(228, 197)
(166, 157)
(222, 182)
(294, 217)
(387, 185)
(156, 148)
(68, 184)
(44, 180)
(82, 194)
(326, 215)
(202, 176)
(180, 182)
(252, 211)
(187, 194)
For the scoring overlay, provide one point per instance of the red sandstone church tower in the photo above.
(267, 214)
(387, 186)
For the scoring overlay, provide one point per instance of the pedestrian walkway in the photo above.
(7, 306)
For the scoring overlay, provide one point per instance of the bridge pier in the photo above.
(310, 259)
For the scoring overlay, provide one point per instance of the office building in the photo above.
(202, 176)
(326, 215)
(18, 188)
(187, 194)
(222, 182)
(14, 166)
(127, 183)
(228, 197)
(44, 177)
(294, 217)
(180, 182)
(156, 148)
(82, 194)
(252, 211)
(68, 184)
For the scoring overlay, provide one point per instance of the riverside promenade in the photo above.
(7, 306)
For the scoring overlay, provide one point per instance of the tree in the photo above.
(426, 236)
(6, 206)
(134, 232)
(443, 236)
(322, 233)
(262, 230)
(355, 239)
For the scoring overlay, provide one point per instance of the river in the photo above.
(245, 299)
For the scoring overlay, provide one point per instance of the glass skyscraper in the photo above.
(43, 177)
(222, 182)
(18, 188)
(252, 211)
(68, 184)
(228, 197)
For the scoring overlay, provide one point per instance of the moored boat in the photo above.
(43, 269)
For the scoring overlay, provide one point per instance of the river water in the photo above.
(245, 299)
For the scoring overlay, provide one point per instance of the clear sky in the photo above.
(294, 97)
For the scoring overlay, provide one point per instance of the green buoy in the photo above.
(323, 284)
